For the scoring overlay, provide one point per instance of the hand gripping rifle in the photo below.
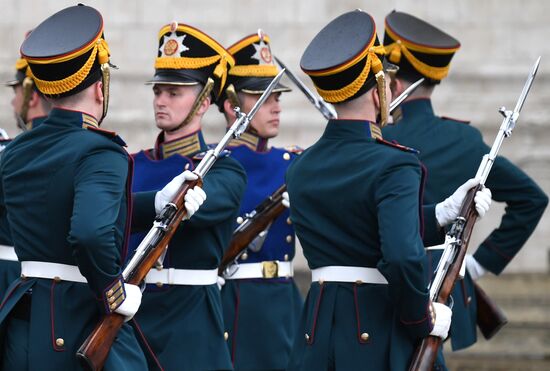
(451, 265)
(271, 208)
(95, 349)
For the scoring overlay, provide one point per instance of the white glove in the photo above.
(220, 282)
(194, 198)
(483, 201)
(286, 200)
(475, 269)
(447, 211)
(442, 323)
(131, 304)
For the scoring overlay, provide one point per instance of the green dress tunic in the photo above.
(65, 192)
(355, 202)
(452, 150)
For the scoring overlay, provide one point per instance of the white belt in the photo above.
(52, 271)
(266, 269)
(336, 273)
(436, 247)
(172, 276)
(8, 253)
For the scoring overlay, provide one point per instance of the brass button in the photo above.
(23, 277)
(307, 337)
(159, 267)
(286, 257)
(321, 281)
(240, 220)
(358, 282)
(159, 284)
(289, 238)
(288, 221)
(286, 156)
(244, 256)
(469, 300)
(364, 336)
(57, 279)
(59, 342)
(186, 167)
(226, 335)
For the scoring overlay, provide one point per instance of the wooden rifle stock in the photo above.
(490, 318)
(264, 214)
(95, 349)
(426, 351)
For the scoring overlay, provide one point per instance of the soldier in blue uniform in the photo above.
(64, 191)
(355, 204)
(258, 305)
(452, 151)
(181, 317)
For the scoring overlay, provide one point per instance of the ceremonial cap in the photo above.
(254, 65)
(188, 56)
(344, 58)
(65, 52)
(417, 47)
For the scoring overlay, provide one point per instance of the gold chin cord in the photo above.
(232, 96)
(106, 74)
(27, 93)
(381, 87)
(205, 92)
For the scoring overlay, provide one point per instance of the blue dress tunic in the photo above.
(261, 314)
(181, 326)
(452, 150)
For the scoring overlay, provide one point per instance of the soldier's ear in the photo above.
(228, 108)
(398, 87)
(34, 100)
(98, 91)
(375, 98)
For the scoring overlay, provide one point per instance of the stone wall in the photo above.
(500, 40)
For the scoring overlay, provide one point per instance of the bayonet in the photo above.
(397, 101)
(326, 109)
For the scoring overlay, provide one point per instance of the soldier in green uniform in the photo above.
(181, 317)
(30, 107)
(257, 305)
(64, 191)
(452, 151)
(355, 204)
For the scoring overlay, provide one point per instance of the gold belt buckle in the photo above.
(270, 269)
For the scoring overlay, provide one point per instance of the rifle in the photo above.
(269, 209)
(451, 265)
(95, 349)
(254, 223)
(490, 318)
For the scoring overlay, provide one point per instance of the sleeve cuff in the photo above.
(114, 295)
